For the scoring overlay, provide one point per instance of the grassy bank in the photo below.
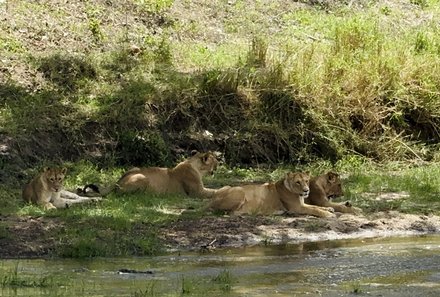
(139, 82)
(123, 225)
(101, 86)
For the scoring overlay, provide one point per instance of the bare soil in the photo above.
(30, 237)
(237, 231)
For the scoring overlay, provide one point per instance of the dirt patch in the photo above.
(213, 232)
(32, 237)
(27, 237)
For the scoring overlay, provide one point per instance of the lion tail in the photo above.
(92, 190)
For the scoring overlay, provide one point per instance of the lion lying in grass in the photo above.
(326, 186)
(46, 190)
(286, 194)
(185, 178)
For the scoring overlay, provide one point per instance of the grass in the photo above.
(289, 85)
(121, 226)
(129, 224)
(150, 290)
(219, 285)
(361, 80)
(356, 288)
(420, 183)
(225, 279)
(51, 285)
(14, 279)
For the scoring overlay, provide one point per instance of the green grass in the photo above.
(225, 280)
(122, 225)
(281, 86)
(421, 184)
(323, 81)
(15, 279)
(128, 224)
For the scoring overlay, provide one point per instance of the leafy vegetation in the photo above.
(100, 86)
(362, 80)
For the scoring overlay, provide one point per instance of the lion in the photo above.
(327, 186)
(46, 190)
(286, 194)
(185, 178)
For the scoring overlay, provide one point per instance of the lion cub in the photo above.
(325, 186)
(286, 194)
(46, 190)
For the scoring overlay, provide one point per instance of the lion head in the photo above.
(54, 178)
(204, 162)
(298, 183)
(332, 185)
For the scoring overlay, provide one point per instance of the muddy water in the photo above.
(406, 266)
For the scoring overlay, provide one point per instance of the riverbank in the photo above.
(32, 237)
(263, 82)
(213, 232)
(396, 200)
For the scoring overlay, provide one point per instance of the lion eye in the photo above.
(298, 183)
(51, 179)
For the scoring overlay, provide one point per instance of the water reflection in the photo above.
(375, 267)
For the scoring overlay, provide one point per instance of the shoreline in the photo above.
(32, 237)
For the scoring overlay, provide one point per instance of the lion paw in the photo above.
(224, 188)
(49, 206)
(330, 214)
(356, 210)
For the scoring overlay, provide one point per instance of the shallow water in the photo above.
(406, 266)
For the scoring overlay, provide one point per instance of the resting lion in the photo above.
(46, 190)
(185, 178)
(327, 186)
(286, 194)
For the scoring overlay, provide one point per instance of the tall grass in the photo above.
(324, 85)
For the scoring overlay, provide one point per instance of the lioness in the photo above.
(46, 190)
(326, 186)
(286, 194)
(185, 178)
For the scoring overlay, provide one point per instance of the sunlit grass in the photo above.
(321, 89)
(422, 184)
(107, 228)
(193, 56)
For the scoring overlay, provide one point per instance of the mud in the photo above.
(214, 232)
(32, 237)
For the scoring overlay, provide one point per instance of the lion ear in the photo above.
(194, 152)
(205, 158)
(63, 170)
(332, 176)
(45, 169)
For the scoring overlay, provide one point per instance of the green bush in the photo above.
(143, 148)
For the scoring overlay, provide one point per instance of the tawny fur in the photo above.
(46, 190)
(286, 194)
(185, 178)
(329, 185)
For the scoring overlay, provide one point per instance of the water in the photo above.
(408, 266)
